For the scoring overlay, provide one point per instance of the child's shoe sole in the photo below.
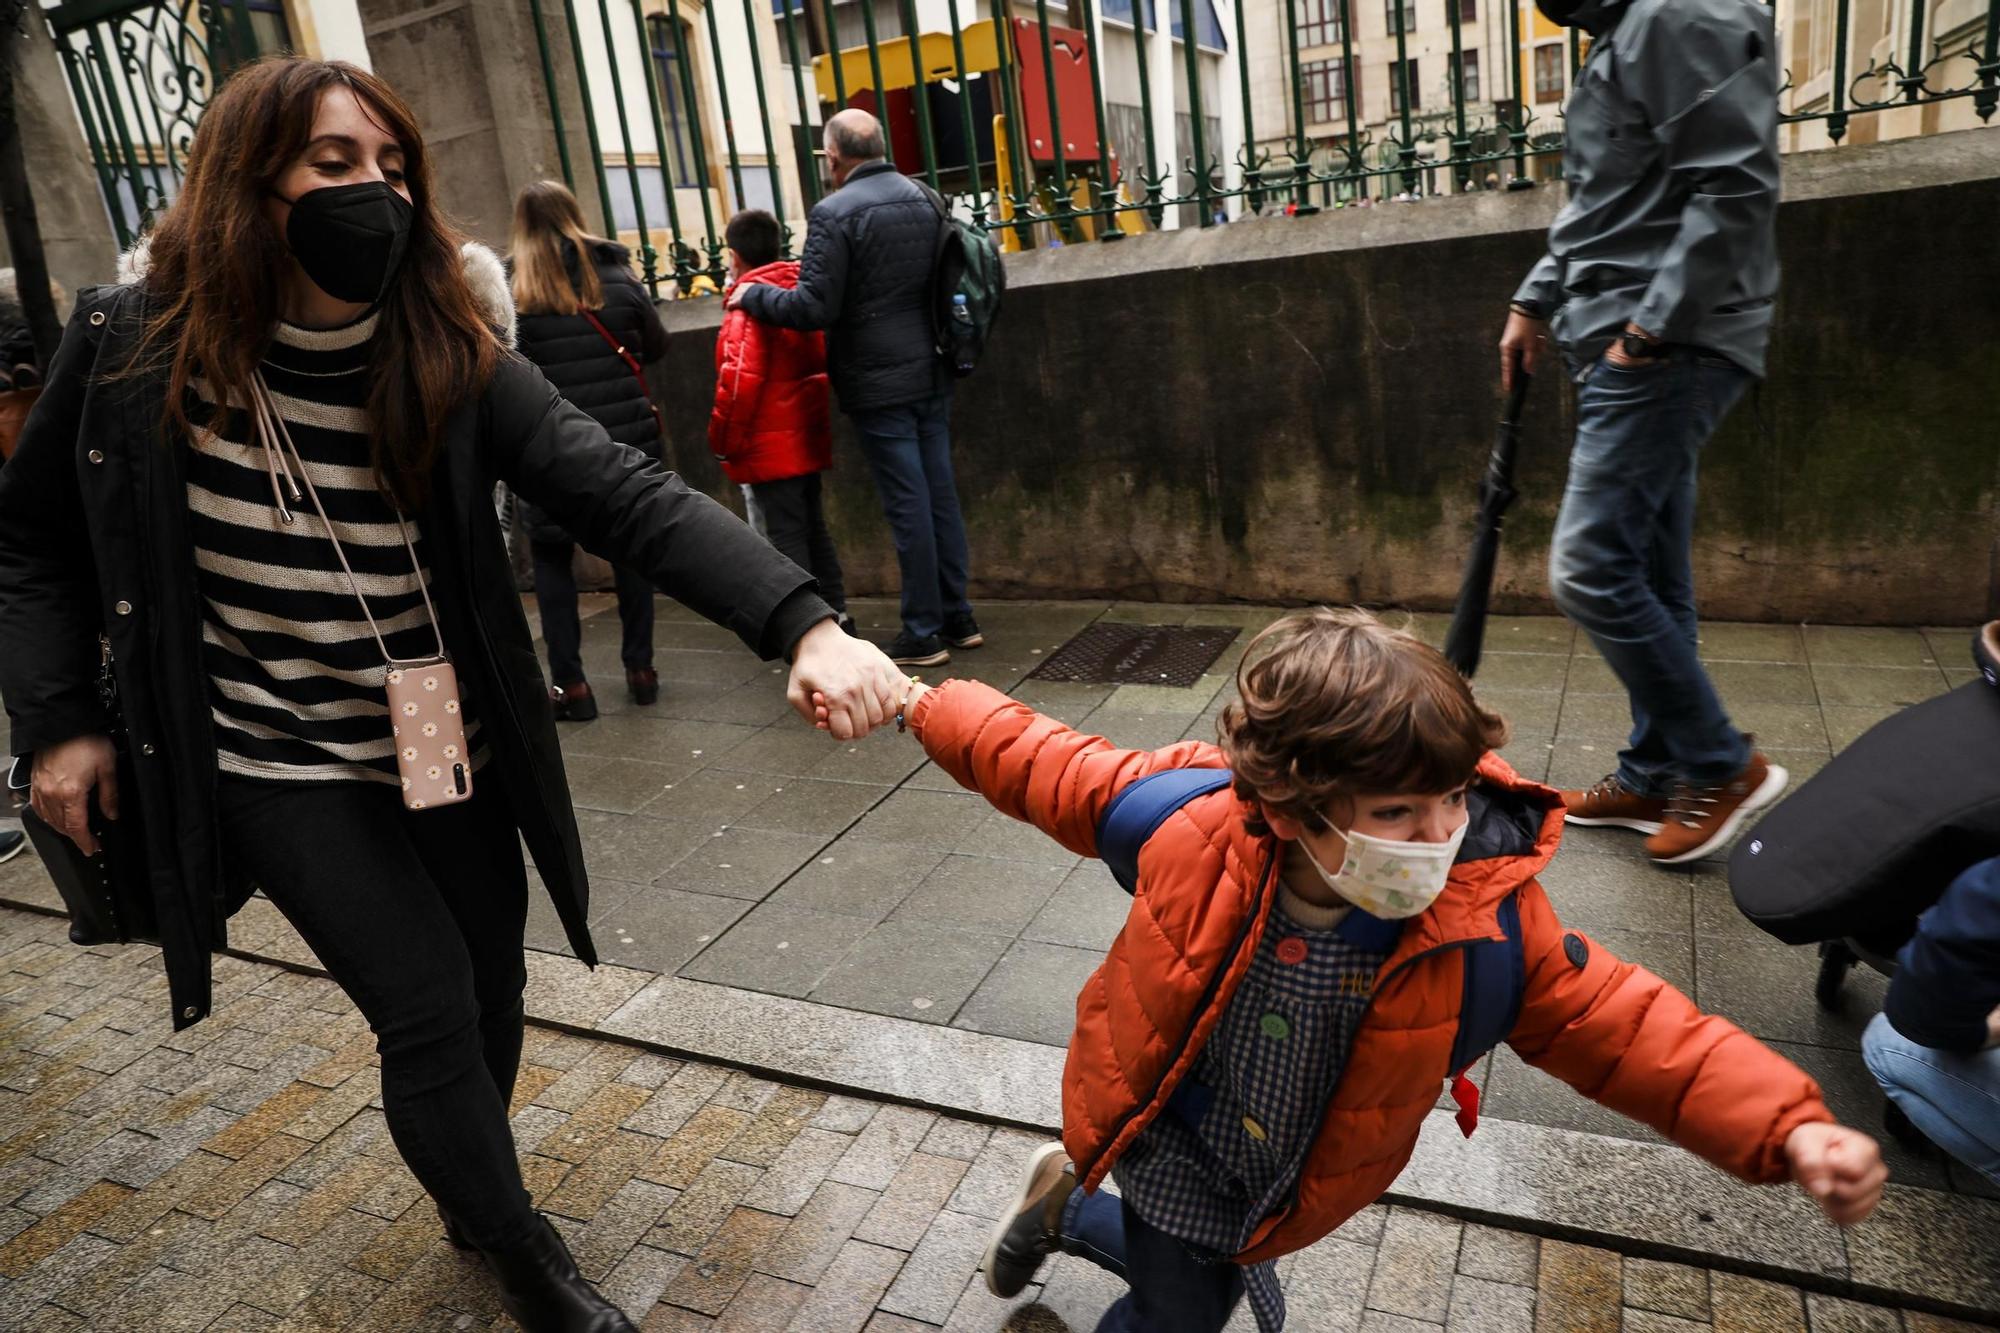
(1041, 1172)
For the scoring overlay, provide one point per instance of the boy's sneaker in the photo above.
(1030, 1229)
(963, 632)
(1610, 803)
(909, 650)
(11, 843)
(1701, 819)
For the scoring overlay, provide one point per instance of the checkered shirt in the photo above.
(1227, 1150)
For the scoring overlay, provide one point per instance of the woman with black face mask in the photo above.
(259, 478)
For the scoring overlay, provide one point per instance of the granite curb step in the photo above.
(1923, 1251)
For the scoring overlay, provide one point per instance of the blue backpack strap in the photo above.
(1496, 979)
(1137, 811)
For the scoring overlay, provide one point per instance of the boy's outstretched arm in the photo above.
(1626, 1039)
(1033, 767)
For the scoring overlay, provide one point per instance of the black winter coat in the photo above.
(94, 538)
(865, 278)
(584, 368)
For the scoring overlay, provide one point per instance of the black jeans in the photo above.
(420, 917)
(562, 630)
(791, 515)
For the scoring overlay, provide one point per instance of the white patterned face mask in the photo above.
(1392, 880)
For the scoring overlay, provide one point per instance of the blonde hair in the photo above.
(545, 215)
(1335, 703)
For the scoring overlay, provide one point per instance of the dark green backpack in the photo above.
(967, 282)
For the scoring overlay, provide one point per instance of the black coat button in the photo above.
(1576, 950)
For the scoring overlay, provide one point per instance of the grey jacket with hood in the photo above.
(1671, 156)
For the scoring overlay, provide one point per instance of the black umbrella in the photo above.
(1496, 493)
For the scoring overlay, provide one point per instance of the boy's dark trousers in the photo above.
(791, 515)
(1172, 1291)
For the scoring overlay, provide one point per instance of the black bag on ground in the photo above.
(1874, 838)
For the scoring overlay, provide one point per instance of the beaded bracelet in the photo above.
(903, 708)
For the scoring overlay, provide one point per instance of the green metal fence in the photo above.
(1009, 163)
(141, 74)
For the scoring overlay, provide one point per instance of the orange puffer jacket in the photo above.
(1611, 1029)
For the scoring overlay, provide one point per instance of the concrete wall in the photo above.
(1299, 409)
(472, 73)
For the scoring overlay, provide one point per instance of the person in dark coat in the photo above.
(865, 278)
(1935, 1047)
(589, 325)
(146, 514)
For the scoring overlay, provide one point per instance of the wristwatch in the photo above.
(1638, 346)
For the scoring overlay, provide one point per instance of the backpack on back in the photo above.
(967, 283)
(1496, 971)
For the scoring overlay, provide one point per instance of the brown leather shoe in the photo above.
(1611, 804)
(574, 703)
(1701, 819)
(645, 686)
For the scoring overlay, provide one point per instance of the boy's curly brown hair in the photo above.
(1334, 703)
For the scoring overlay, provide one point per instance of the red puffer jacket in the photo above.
(770, 420)
(1610, 1029)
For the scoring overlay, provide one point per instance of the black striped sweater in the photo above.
(296, 681)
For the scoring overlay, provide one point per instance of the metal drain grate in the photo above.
(1137, 655)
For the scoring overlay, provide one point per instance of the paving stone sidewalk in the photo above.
(238, 1177)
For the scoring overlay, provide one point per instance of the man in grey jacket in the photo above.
(1658, 287)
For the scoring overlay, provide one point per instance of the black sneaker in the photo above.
(963, 632)
(1031, 1228)
(11, 843)
(909, 650)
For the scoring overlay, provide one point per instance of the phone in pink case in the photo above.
(428, 723)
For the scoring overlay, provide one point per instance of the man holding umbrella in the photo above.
(1659, 282)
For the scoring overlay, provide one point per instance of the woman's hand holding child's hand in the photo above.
(908, 704)
(1840, 1168)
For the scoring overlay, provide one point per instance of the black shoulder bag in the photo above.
(109, 895)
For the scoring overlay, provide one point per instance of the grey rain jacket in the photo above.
(1671, 156)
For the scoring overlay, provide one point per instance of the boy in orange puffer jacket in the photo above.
(770, 427)
(1255, 1057)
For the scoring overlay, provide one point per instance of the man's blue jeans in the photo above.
(1172, 1292)
(908, 448)
(1621, 564)
(1954, 1099)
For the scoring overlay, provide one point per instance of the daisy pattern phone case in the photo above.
(429, 729)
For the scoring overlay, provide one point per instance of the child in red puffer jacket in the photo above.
(770, 427)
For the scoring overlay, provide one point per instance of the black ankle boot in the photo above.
(541, 1289)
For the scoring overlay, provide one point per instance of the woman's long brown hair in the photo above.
(217, 267)
(546, 215)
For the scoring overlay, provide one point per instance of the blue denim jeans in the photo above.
(1621, 563)
(908, 448)
(1172, 1291)
(1954, 1099)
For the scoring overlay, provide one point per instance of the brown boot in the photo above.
(1701, 819)
(1611, 804)
(645, 686)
